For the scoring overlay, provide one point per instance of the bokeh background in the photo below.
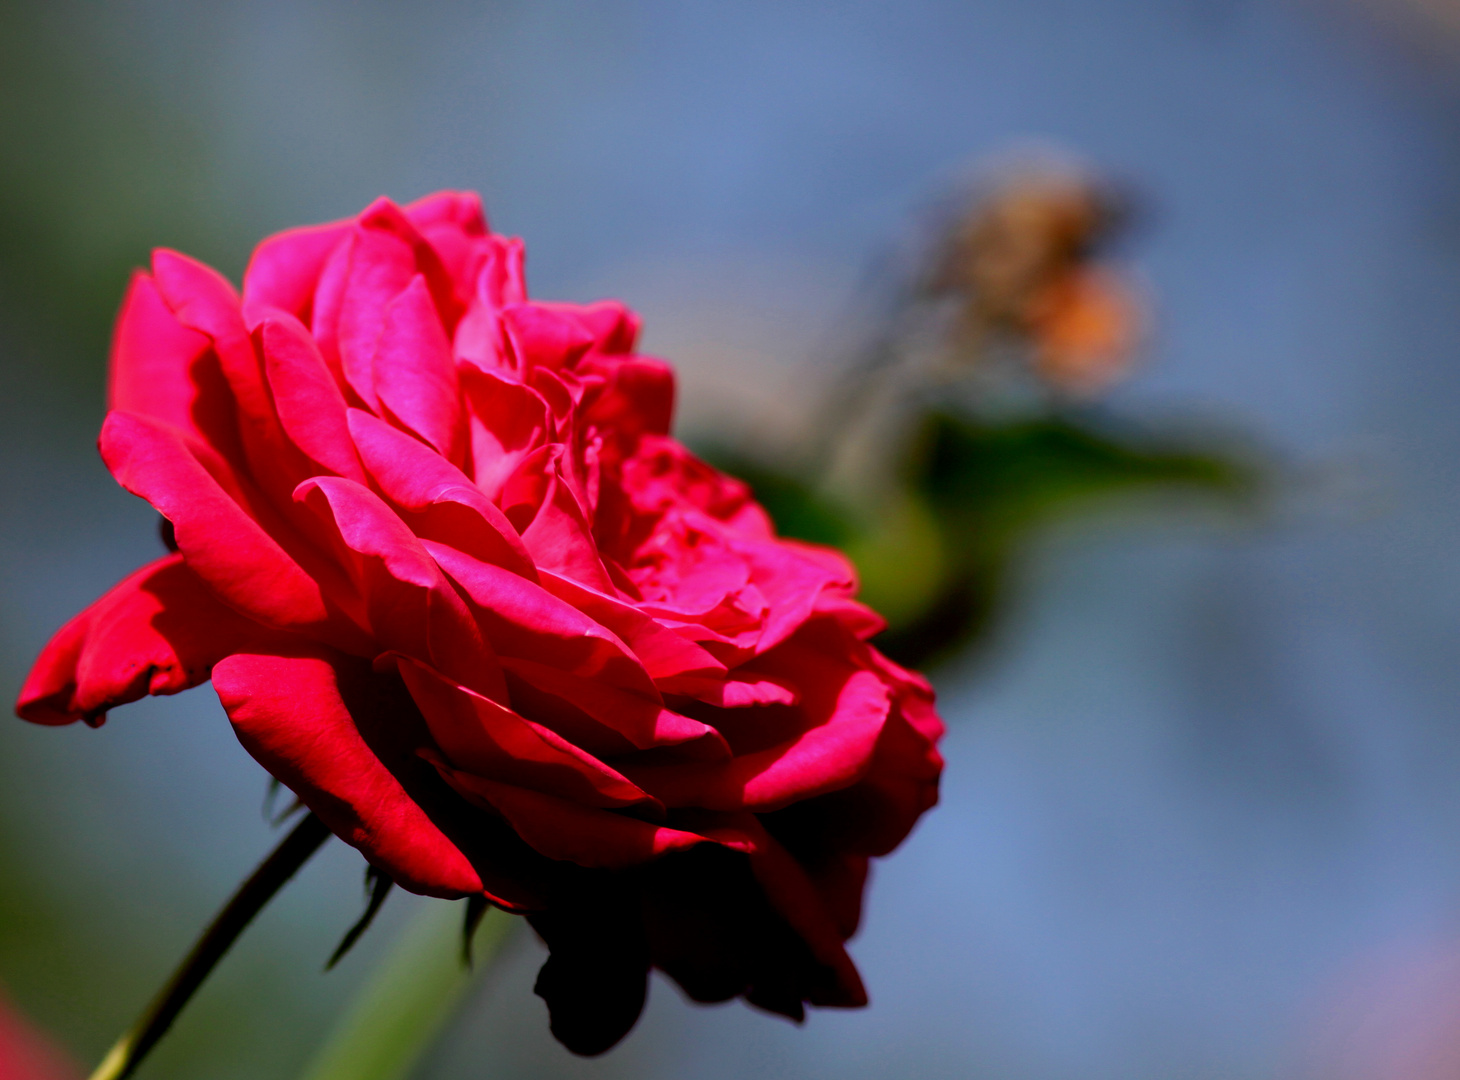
(1201, 816)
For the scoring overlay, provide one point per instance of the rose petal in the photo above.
(665, 654)
(308, 401)
(540, 336)
(645, 722)
(291, 713)
(568, 831)
(163, 369)
(840, 719)
(414, 373)
(555, 530)
(523, 619)
(507, 420)
(285, 268)
(239, 560)
(453, 224)
(158, 631)
(203, 300)
(614, 327)
(410, 605)
(380, 256)
(442, 503)
(796, 899)
(479, 339)
(492, 742)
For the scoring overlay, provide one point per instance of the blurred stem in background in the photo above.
(412, 995)
(292, 853)
(971, 419)
(395, 1016)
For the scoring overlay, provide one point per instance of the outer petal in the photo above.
(644, 722)
(163, 369)
(244, 565)
(459, 209)
(614, 327)
(479, 340)
(825, 758)
(158, 631)
(285, 268)
(203, 299)
(454, 225)
(293, 713)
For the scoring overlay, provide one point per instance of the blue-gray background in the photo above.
(1201, 815)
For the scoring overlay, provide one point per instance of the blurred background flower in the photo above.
(1202, 766)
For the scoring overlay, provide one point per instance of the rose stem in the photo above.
(292, 853)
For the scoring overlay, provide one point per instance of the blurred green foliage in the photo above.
(97, 169)
(936, 556)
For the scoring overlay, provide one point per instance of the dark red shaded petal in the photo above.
(158, 631)
(713, 928)
(569, 831)
(490, 741)
(596, 976)
(290, 713)
(796, 899)
(875, 815)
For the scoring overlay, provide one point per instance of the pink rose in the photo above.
(460, 591)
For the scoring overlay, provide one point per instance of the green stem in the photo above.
(396, 1016)
(252, 895)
